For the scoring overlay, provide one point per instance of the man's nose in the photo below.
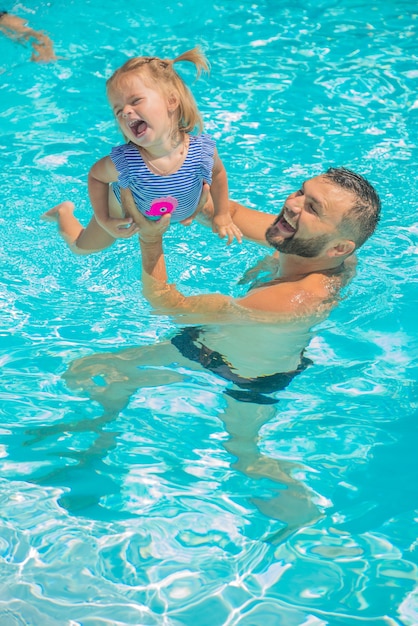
(295, 203)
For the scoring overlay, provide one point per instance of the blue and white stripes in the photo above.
(148, 189)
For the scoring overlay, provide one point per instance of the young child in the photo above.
(162, 163)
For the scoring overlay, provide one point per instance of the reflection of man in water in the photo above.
(255, 343)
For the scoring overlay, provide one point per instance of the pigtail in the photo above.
(189, 115)
(196, 57)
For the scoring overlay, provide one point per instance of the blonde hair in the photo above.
(162, 74)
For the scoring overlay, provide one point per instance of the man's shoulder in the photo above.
(317, 283)
(299, 296)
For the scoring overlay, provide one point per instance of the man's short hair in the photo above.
(359, 221)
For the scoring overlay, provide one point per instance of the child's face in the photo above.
(144, 115)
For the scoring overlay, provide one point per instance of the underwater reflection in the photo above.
(111, 380)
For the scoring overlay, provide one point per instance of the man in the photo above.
(252, 345)
(316, 234)
(16, 28)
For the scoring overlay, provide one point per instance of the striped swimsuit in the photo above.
(155, 195)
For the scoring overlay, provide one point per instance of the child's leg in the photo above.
(82, 241)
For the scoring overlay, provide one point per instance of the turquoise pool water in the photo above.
(154, 514)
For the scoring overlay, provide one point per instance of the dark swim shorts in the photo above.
(251, 389)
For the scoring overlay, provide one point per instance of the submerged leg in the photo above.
(111, 378)
(293, 504)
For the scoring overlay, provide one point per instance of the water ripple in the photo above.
(152, 514)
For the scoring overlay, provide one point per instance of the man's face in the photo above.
(308, 223)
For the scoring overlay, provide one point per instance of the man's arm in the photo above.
(165, 297)
(292, 299)
(283, 300)
(159, 293)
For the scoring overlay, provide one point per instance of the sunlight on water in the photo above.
(152, 510)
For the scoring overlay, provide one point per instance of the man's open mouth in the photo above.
(285, 226)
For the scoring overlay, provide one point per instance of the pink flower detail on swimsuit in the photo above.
(160, 207)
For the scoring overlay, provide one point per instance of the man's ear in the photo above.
(342, 248)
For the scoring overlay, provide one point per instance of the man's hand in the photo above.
(204, 209)
(149, 230)
(119, 228)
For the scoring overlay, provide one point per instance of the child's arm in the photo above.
(222, 221)
(101, 174)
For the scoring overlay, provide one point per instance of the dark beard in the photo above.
(307, 248)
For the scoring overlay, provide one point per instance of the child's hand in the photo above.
(225, 227)
(120, 227)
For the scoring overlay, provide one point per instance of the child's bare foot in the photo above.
(58, 211)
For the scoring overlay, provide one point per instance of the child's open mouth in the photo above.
(138, 127)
